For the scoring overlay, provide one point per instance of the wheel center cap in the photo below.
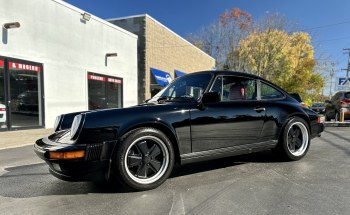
(146, 159)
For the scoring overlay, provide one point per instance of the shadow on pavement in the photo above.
(35, 180)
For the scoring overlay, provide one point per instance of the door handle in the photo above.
(259, 109)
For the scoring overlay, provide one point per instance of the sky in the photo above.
(184, 17)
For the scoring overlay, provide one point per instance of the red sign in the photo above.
(24, 66)
(97, 78)
(1, 63)
(113, 80)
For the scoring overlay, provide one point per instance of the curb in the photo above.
(337, 124)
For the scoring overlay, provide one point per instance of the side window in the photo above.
(217, 86)
(238, 89)
(268, 92)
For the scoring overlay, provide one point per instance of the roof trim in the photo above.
(146, 15)
(65, 4)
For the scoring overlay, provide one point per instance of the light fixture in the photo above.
(11, 25)
(111, 55)
(86, 16)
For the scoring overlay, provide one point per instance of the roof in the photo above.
(225, 72)
(146, 15)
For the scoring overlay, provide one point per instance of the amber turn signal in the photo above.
(67, 155)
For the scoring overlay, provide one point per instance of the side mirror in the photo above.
(211, 97)
(327, 101)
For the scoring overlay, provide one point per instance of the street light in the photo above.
(11, 25)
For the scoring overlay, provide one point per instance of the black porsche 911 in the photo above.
(197, 117)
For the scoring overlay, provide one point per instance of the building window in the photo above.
(104, 92)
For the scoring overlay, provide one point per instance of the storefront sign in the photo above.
(97, 78)
(113, 80)
(342, 83)
(1, 63)
(24, 67)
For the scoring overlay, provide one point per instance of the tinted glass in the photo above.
(347, 95)
(2, 97)
(238, 89)
(268, 92)
(186, 88)
(317, 105)
(217, 85)
(114, 94)
(24, 95)
(96, 92)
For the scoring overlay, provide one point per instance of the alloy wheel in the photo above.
(146, 160)
(298, 139)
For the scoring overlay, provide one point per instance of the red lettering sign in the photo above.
(97, 78)
(1, 63)
(113, 80)
(24, 66)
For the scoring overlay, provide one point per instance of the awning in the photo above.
(160, 77)
(179, 74)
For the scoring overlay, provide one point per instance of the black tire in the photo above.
(128, 174)
(337, 116)
(326, 118)
(283, 150)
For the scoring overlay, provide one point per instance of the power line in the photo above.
(324, 26)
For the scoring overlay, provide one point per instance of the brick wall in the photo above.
(166, 51)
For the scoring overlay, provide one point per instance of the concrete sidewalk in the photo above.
(12, 139)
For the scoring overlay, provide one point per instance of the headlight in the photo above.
(57, 122)
(323, 109)
(76, 126)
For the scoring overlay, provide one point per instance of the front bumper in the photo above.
(94, 166)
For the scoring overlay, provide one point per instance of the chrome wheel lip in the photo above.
(305, 139)
(163, 168)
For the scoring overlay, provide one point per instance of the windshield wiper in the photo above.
(181, 99)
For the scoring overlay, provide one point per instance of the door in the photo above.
(21, 94)
(236, 120)
(104, 91)
(3, 106)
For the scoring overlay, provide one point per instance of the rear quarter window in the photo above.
(347, 95)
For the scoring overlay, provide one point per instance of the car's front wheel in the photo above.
(295, 140)
(144, 159)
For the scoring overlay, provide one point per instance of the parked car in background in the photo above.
(199, 116)
(318, 107)
(27, 102)
(2, 115)
(297, 97)
(341, 100)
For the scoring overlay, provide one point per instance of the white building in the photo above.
(56, 62)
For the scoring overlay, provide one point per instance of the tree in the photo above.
(222, 39)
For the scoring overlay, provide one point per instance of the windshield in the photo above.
(317, 105)
(188, 88)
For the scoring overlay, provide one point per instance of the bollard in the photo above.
(341, 117)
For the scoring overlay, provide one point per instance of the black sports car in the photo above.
(197, 117)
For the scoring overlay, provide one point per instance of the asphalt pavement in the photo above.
(249, 184)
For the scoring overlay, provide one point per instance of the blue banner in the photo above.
(179, 74)
(162, 78)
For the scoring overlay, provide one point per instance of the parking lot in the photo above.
(249, 184)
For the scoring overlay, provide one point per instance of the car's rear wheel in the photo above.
(295, 141)
(337, 118)
(144, 159)
(326, 117)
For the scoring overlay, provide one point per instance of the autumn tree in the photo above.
(221, 40)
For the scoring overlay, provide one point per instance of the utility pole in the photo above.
(332, 73)
(348, 69)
